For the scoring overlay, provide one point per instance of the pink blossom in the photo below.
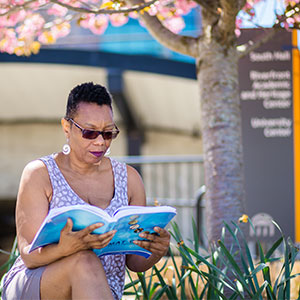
(291, 2)
(290, 20)
(297, 18)
(153, 9)
(15, 2)
(164, 3)
(73, 3)
(97, 24)
(238, 23)
(118, 19)
(35, 20)
(175, 24)
(47, 38)
(57, 10)
(133, 15)
(31, 27)
(61, 30)
(20, 30)
(286, 26)
(100, 24)
(13, 19)
(237, 32)
(249, 9)
(165, 12)
(37, 4)
(183, 7)
(9, 41)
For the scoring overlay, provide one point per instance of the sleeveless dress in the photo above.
(23, 283)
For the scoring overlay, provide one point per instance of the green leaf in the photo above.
(250, 261)
(204, 261)
(266, 275)
(142, 279)
(163, 283)
(274, 247)
(132, 283)
(153, 289)
(236, 268)
(195, 235)
(260, 250)
(159, 293)
(260, 290)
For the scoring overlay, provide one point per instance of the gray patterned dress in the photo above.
(23, 283)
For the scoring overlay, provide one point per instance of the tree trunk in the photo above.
(217, 73)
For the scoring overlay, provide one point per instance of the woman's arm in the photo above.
(158, 245)
(33, 200)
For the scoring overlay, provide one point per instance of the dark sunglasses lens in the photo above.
(107, 135)
(90, 134)
(93, 134)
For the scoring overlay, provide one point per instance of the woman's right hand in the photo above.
(73, 241)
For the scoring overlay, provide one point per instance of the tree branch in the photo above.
(229, 11)
(16, 8)
(209, 8)
(183, 44)
(241, 4)
(105, 11)
(179, 43)
(82, 9)
(246, 48)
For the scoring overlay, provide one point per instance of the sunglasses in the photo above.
(93, 134)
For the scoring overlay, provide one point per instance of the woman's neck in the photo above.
(74, 165)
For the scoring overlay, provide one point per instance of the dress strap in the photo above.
(120, 179)
(51, 167)
(60, 188)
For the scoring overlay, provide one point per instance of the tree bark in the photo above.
(217, 73)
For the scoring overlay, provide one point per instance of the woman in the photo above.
(81, 174)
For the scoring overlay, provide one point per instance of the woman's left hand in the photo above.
(157, 244)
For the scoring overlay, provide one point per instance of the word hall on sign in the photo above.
(270, 56)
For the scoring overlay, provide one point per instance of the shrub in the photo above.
(217, 273)
(221, 273)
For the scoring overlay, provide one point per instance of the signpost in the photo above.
(269, 93)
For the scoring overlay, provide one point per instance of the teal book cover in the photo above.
(129, 221)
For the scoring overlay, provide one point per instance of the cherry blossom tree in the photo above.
(26, 24)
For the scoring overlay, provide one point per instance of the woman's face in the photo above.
(93, 117)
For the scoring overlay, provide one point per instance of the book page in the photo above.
(132, 209)
(131, 222)
(81, 216)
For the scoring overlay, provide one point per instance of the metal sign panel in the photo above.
(266, 93)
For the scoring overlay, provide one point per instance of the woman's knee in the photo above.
(60, 277)
(86, 263)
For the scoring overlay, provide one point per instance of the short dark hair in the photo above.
(88, 93)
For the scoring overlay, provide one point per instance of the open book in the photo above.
(129, 221)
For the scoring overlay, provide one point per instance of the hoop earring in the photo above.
(66, 149)
(107, 152)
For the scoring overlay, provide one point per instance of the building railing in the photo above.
(176, 181)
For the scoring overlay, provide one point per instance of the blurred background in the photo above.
(156, 107)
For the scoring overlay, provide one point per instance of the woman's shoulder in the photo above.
(34, 180)
(35, 169)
